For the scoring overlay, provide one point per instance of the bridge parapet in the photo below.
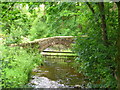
(47, 42)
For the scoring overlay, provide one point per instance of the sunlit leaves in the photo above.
(17, 63)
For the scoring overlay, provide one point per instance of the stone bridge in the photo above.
(47, 42)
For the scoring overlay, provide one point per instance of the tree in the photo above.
(103, 21)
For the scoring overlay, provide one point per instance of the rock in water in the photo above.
(43, 82)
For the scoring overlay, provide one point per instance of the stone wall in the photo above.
(47, 42)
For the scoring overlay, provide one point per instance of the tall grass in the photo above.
(17, 64)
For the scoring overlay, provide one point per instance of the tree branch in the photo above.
(90, 7)
(8, 9)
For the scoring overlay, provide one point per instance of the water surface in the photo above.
(56, 73)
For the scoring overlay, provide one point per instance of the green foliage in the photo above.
(38, 30)
(96, 62)
(17, 64)
(14, 23)
(62, 19)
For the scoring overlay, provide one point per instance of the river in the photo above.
(56, 73)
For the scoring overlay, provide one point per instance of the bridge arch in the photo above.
(47, 42)
(58, 40)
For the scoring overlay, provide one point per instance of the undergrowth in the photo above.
(17, 64)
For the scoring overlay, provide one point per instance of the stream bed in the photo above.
(56, 73)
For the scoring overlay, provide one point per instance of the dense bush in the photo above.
(17, 64)
(96, 62)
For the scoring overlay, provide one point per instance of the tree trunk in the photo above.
(103, 21)
(90, 7)
(118, 48)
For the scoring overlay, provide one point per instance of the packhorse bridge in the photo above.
(47, 42)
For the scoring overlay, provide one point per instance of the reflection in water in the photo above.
(56, 73)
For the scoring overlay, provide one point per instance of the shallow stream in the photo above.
(56, 73)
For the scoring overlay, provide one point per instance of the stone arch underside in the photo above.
(55, 41)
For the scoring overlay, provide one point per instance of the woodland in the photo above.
(98, 52)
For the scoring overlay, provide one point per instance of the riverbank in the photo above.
(17, 63)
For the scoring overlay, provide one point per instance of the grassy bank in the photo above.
(17, 64)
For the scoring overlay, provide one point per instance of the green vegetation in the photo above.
(98, 52)
(17, 64)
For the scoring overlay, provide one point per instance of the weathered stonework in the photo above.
(47, 42)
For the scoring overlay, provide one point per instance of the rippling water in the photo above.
(56, 73)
